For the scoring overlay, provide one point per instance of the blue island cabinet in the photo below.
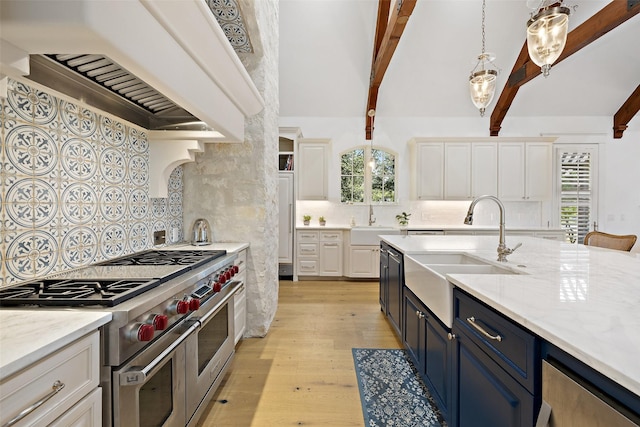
(391, 284)
(427, 341)
(496, 368)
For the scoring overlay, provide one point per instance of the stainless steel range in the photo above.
(172, 335)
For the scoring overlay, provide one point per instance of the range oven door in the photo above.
(149, 390)
(209, 350)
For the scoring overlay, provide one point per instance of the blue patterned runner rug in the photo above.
(391, 390)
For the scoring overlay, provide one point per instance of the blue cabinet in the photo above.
(427, 341)
(496, 377)
(394, 291)
(384, 277)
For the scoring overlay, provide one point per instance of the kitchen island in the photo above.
(581, 300)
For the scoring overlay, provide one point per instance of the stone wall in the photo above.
(235, 186)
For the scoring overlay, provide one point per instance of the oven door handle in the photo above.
(237, 285)
(137, 375)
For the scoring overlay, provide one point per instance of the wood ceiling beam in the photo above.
(388, 33)
(608, 18)
(624, 115)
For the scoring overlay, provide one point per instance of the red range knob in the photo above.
(236, 269)
(160, 322)
(217, 287)
(194, 304)
(227, 276)
(145, 333)
(182, 307)
(232, 271)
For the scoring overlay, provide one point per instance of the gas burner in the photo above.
(75, 292)
(193, 258)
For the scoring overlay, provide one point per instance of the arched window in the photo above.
(367, 175)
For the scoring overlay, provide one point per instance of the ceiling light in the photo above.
(482, 79)
(372, 161)
(547, 35)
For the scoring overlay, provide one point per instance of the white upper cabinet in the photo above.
(484, 169)
(454, 170)
(525, 171)
(428, 170)
(457, 170)
(312, 169)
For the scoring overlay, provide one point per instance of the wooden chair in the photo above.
(611, 241)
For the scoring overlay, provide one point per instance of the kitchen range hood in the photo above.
(163, 65)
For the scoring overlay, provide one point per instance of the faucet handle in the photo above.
(508, 251)
(503, 251)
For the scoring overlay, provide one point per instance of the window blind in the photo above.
(576, 198)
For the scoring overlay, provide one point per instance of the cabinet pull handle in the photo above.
(451, 336)
(330, 244)
(419, 314)
(57, 386)
(472, 321)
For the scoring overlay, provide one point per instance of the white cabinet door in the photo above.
(429, 170)
(285, 218)
(457, 170)
(538, 171)
(364, 261)
(312, 169)
(525, 171)
(511, 170)
(331, 258)
(484, 169)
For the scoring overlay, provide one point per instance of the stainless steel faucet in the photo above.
(372, 219)
(503, 250)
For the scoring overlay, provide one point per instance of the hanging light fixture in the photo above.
(547, 35)
(372, 161)
(482, 80)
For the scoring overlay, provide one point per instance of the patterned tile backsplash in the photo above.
(74, 186)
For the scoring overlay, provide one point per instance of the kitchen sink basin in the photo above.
(368, 235)
(425, 275)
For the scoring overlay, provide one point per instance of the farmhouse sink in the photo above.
(425, 276)
(368, 235)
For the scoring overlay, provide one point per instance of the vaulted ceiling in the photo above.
(326, 59)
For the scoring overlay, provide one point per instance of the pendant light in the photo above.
(547, 36)
(372, 161)
(482, 80)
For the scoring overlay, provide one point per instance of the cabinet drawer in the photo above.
(307, 267)
(77, 366)
(86, 413)
(307, 236)
(308, 249)
(513, 348)
(331, 236)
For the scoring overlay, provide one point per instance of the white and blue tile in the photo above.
(113, 132)
(112, 203)
(80, 121)
(32, 105)
(33, 203)
(138, 237)
(159, 207)
(79, 159)
(31, 254)
(79, 203)
(112, 165)
(138, 141)
(138, 170)
(31, 151)
(138, 204)
(113, 241)
(79, 247)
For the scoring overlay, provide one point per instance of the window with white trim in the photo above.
(367, 175)
(577, 193)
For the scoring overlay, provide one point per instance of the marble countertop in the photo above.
(582, 299)
(430, 227)
(24, 341)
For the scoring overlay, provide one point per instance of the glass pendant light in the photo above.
(547, 36)
(482, 80)
(372, 161)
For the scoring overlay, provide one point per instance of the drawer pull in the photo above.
(420, 314)
(57, 386)
(472, 321)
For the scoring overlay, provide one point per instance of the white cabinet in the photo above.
(457, 170)
(319, 253)
(524, 171)
(364, 262)
(312, 169)
(454, 170)
(285, 218)
(428, 170)
(484, 169)
(67, 377)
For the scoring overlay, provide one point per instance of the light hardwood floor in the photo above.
(302, 372)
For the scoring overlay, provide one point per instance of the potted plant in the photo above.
(306, 219)
(403, 219)
(322, 221)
